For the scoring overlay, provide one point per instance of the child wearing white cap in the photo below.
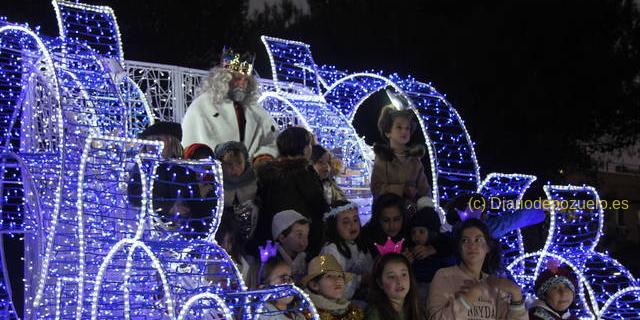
(290, 230)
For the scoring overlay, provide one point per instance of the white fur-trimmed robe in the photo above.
(214, 124)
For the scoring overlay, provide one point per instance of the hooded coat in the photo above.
(291, 183)
(391, 174)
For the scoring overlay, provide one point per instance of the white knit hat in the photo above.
(283, 220)
(423, 202)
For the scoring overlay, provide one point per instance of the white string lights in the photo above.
(575, 228)
(507, 187)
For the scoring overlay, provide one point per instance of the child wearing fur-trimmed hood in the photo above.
(397, 166)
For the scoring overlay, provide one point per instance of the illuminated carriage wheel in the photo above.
(29, 66)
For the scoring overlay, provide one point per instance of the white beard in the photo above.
(237, 94)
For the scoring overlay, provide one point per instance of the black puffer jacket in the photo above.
(291, 184)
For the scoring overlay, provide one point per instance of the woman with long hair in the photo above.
(472, 289)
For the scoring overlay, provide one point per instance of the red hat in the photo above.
(553, 275)
(191, 150)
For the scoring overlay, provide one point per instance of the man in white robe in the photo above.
(227, 110)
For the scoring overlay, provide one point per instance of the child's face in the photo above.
(281, 274)
(172, 147)
(391, 221)
(323, 166)
(348, 225)
(331, 285)
(233, 166)
(396, 281)
(400, 131)
(559, 297)
(297, 240)
(474, 246)
(420, 235)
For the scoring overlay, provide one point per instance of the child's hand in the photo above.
(407, 253)
(470, 290)
(410, 192)
(507, 286)
(423, 251)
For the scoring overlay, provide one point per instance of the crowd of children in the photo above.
(403, 264)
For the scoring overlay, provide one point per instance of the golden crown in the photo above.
(236, 62)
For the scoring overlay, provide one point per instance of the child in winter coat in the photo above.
(556, 290)
(290, 182)
(325, 282)
(397, 166)
(323, 164)
(344, 242)
(240, 185)
(422, 252)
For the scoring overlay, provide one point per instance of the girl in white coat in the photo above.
(344, 242)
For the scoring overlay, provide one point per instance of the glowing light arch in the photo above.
(91, 142)
(105, 264)
(369, 83)
(507, 187)
(292, 109)
(64, 9)
(45, 56)
(205, 295)
(605, 308)
(420, 97)
(554, 193)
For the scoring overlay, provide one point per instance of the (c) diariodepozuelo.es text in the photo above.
(504, 204)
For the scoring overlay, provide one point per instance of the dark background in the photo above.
(533, 80)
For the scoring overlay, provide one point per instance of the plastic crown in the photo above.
(390, 247)
(238, 63)
(269, 250)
